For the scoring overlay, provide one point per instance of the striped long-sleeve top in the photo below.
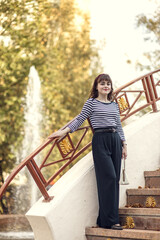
(101, 115)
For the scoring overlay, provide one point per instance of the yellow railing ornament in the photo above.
(65, 146)
(123, 103)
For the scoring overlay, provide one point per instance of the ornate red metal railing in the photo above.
(145, 89)
(145, 93)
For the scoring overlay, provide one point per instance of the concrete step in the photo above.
(140, 218)
(125, 234)
(152, 179)
(143, 197)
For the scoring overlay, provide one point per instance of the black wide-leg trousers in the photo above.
(107, 153)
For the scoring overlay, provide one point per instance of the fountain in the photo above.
(17, 226)
(33, 120)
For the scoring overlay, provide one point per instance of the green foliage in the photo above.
(69, 72)
(151, 26)
(55, 38)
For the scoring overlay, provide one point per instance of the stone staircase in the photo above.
(140, 218)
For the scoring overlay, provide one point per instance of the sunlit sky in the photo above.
(115, 22)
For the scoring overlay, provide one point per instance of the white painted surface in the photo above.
(73, 208)
(143, 138)
(75, 205)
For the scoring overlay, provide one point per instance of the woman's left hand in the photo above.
(124, 151)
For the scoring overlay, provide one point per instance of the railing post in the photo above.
(151, 94)
(38, 181)
(153, 86)
(145, 90)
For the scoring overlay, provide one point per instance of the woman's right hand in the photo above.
(59, 133)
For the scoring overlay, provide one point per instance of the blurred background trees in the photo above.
(54, 36)
(151, 27)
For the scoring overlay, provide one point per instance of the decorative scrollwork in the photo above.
(123, 104)
(150, 202)
(129, 222)
(65, 146)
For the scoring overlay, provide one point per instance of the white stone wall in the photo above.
(74, 207)
(75, 203)
(143, 138)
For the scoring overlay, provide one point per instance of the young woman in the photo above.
(108, 147)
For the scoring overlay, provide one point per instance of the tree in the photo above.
(70, 72)
(151, 25)
(54, 36)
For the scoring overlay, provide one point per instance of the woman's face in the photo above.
(104, 87)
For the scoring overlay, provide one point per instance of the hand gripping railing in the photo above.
(144, 94)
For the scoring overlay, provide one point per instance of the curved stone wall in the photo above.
(75, 203)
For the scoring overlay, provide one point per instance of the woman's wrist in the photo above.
(124, 144)
(66, 130)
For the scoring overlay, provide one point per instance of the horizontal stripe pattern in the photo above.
(101, 115)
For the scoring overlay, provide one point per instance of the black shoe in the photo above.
(116, 227)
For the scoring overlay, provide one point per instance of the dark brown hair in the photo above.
(99, 78)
